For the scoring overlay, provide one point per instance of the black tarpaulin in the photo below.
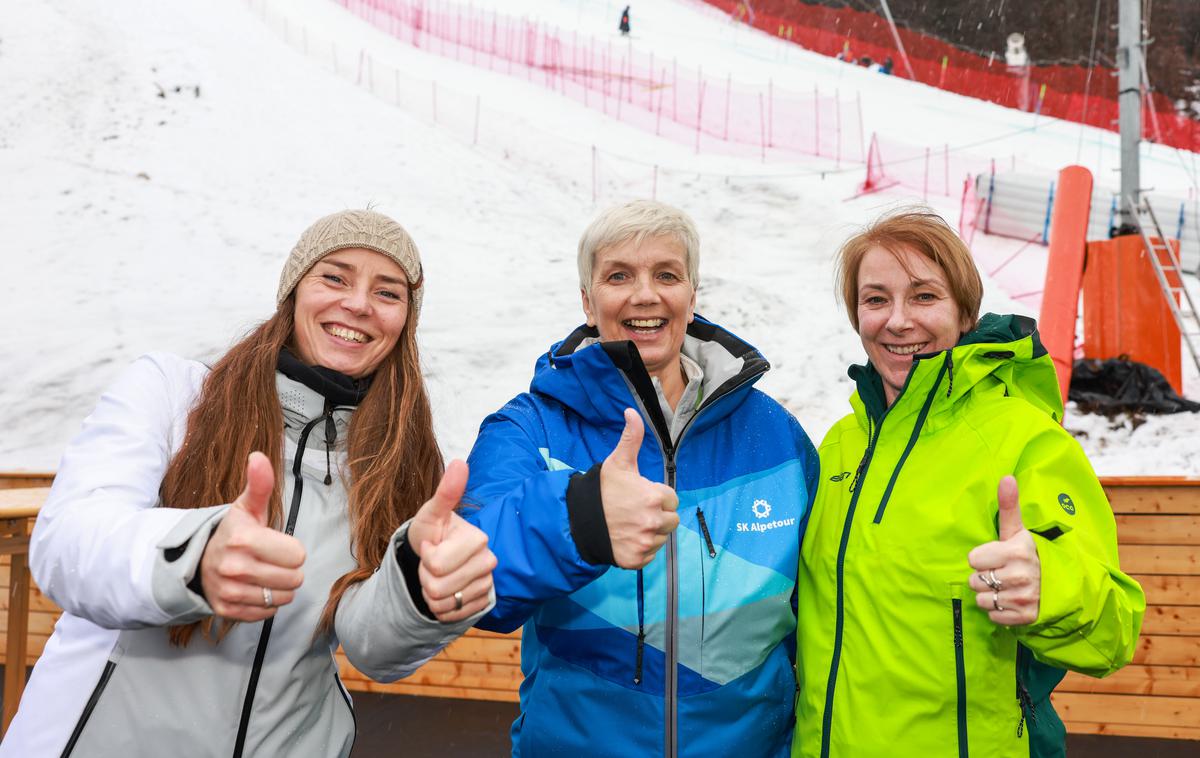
(1119, 385)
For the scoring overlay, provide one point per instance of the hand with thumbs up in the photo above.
(456, 564)
(640, 513)
(1008, 574)
(249, 569)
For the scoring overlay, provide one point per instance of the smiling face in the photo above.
(641, 292)
(351, 307)
(905, 308)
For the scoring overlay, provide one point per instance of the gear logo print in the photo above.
(761, 508)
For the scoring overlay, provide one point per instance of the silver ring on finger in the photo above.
(993, 582)
(268, 599)
(458, 600)
(996, 601)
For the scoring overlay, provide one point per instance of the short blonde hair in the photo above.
(921, 231)
(638, 220)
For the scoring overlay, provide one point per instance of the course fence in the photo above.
(706, 110)
(1066, 92)
(708, 114)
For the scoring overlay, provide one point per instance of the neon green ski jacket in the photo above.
(894, 656)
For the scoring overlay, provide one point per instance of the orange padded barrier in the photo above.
(1064, 269)
(1124, 310)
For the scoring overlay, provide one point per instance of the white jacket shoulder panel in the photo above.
(93, 549)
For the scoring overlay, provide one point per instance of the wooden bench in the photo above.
(1158, 695)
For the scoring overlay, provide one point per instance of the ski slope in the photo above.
(137, 217)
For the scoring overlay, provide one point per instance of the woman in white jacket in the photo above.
(206, 584)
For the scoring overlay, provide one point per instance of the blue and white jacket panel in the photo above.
(743, 461)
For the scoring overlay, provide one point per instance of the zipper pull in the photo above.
(637, 670)
(1028, 711)
(330, 438)
(712, 551)
(862, 465)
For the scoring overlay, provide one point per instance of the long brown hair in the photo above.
(393, 457)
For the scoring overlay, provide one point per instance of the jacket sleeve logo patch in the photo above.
(1067, 504)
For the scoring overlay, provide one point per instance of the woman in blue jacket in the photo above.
(646, 504)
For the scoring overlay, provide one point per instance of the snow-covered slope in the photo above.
(162, 157)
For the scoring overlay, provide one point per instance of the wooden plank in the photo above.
(1175, 681)
(484, 633)
(1128, 709)
(1170, 590)
(1167, 651)
(464, 693)
(36, 623)
(1128, 482)
(1154, 499)
(1134, 730)
(1157, 529)
(439, 673)
(22, 479)
(1160, 559)
(483, 650)
(17, 620)
(1172, 619)
(21, 503)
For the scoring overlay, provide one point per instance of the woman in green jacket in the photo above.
(937, 606)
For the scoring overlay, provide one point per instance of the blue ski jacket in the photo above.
(692, 655)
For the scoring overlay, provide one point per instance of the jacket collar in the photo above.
(598, 379)
(1003, 352)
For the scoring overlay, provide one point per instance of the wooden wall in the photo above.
(1158, 695)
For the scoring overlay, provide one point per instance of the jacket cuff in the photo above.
(410, 563)
(174, 579)
(585, 511)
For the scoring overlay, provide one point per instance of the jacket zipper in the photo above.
(840, 617)
(341, 688)
(264, 637)
(671, 652)
(960, 672)
(916, 432)
(1024, 699)
(105, 675)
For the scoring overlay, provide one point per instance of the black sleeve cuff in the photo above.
(585, 509)
(409, 563)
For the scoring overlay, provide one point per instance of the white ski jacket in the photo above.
(109, 683)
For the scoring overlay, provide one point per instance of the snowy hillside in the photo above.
(162, 157)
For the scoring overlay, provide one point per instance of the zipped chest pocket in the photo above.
(960, 666)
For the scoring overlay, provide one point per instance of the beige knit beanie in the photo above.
(353, 228)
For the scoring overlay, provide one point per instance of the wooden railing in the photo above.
(1158, 695)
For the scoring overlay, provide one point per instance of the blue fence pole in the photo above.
(1046, 224)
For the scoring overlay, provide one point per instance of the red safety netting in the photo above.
(711, 112)
(1057, 91)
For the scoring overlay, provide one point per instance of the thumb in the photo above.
(1010, 508)
(260, 480)
(439, 508)
(624, 456)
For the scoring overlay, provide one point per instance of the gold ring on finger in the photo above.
(458, 600)
(996, 601)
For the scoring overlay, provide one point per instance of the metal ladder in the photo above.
(1183, 309)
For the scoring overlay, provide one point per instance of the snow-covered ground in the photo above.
(161, 157)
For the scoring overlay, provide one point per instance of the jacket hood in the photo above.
(1002, 350)
(597, 379)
